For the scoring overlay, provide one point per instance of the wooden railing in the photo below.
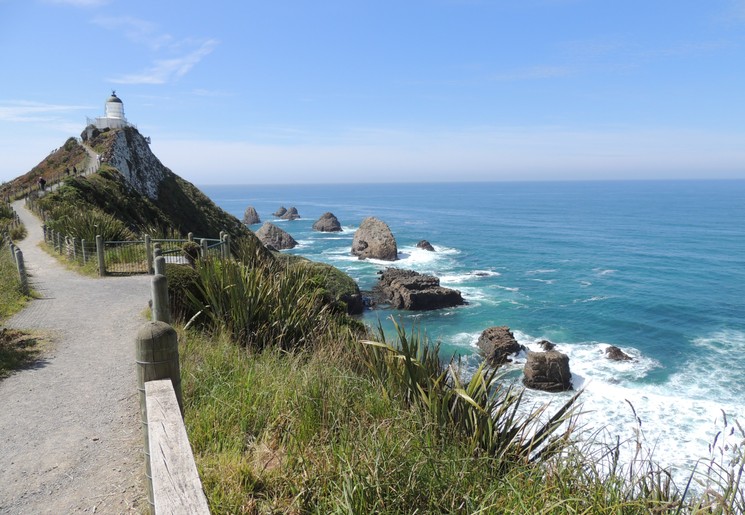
(172, 477)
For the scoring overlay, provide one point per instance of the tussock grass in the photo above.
(260, 306)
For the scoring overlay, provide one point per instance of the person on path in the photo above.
(42, 183)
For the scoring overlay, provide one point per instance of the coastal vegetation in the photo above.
(12, 298)
(324, 416)
(16, 348)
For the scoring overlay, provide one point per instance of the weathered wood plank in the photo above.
(177, 488)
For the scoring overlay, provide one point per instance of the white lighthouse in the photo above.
(113, 115)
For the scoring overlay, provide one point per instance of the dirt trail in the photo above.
(70, 437)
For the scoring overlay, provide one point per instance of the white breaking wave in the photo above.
(677, 420)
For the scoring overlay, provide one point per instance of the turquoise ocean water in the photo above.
(655, 268)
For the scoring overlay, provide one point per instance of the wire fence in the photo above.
(131, 256)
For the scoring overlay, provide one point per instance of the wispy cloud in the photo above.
(136, 30)
(24, 111)
(187, 52)
(168, 70)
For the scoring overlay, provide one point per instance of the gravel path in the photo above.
(70, 437)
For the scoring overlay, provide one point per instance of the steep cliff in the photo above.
(134, 186)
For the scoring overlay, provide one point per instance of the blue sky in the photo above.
(298, 91)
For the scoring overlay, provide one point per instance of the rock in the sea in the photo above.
(406, 289)
(547, 345)
(424, 244)
(279, 212)
(497, 343)
(290, 214)
(251, 217)
(375, 240)
(327, 223)
(616, 354)
(547, 371)
(272, 236)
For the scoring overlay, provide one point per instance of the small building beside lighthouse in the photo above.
(113, 117)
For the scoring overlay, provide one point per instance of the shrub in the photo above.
(191, 250)
(260, 306)
(86, 224)
(182, 286)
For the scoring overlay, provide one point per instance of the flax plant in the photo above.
(482, 409)
(87, 224)
(259, 306)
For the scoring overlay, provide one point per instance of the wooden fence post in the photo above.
(82, 248)
(21, 271)
(160, 265)
(149, 253)
(204, 244)
(12, 248)
(157, 358)
(74, 249)
(99, 253)
(226, 247)
(159, 290)
(190, 236)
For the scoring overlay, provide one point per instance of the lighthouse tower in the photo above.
(114, 109)
(113, 115)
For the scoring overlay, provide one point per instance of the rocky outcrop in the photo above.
(327, 223)
(290, 214)
(130, 154)
(547, 345)
(616, 354)
(271, 235)
(547, 371)
(280, 212)
(424, 244)
(135, 187)
(374, 240)
(406, 289)
(250, 216)
(497, 343)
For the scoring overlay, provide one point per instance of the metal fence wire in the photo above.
(130, 257)
(125, 257)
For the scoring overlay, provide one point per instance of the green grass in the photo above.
(307, 432)
(12, 299)
(17, 349)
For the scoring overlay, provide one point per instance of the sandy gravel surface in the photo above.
(70, 437)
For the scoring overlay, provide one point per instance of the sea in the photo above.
(656, 268)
